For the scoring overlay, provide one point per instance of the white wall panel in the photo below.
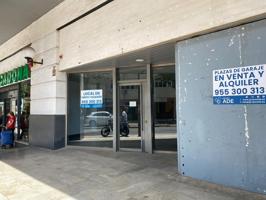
(42, 74)
(47, 42)
(53, 106)
(48, 98)
(43, 107)
(43, 91)
(49, 57)
(48, 89)
(60, 106)
(61, 76)
(16, 60)
(61, 89)
(125, 25)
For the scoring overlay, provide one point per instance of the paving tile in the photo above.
(77, 174)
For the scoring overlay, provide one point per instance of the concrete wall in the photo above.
(48, 95)
(97, 36)
(47, 89)
(125, 25)
(16, 60)
(220, 143)
(48, 85)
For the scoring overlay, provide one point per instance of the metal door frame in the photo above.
(147, 114)
(139, 83)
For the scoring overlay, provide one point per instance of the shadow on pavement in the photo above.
(85, 173)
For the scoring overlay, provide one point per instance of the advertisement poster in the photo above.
(241, 85)
(91, 98)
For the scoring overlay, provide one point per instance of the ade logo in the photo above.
(220, 100)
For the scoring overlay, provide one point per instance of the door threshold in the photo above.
(89, 147)
(130, 150)
(162, 151)
(19, 143)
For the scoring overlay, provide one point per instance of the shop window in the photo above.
(164, 108)
(90, 108)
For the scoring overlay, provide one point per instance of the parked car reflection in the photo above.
(97, 119)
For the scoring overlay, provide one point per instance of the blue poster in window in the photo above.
(241, 85)
(91, 98)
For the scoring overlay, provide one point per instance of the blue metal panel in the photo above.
(220, 143)
(254, 51)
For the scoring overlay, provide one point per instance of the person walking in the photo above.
(2, 124)
(124, 128)
(24, 124)
(1, 118)
(11, 124)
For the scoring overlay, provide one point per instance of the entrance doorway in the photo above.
(133, 130)
(16, 98)
(130, 116)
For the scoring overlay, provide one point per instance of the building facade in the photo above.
(142, 75)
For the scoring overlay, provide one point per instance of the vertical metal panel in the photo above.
(253, 50)
(178, 110)
(115, 99)
(147, 112)
(212, 142)
(73, 119)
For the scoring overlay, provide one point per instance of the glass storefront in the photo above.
(16, 99)
(90, 118)
(132, 73)
(90, 109)
(130, 116)
(130, 110)
(164, 108)
(24, 111)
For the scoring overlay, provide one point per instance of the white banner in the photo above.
(91, 98)
(241, 85)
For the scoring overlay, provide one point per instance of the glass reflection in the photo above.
(134, 73)
(164, 108)
(129, 110)
(90, 108)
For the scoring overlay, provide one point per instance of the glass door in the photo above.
(133, 109)
(130, 116)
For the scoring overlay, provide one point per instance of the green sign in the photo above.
(15, 75)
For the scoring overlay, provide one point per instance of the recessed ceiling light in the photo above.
(139, 60)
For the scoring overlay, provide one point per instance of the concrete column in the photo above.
(48, 96)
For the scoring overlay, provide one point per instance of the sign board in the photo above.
(14, 76)
(241, 85)
(132, 104)
(91, 98)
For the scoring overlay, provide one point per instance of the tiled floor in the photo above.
(89, 174)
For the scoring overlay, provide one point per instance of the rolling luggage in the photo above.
(6, 138)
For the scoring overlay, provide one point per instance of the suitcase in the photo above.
(6, 138)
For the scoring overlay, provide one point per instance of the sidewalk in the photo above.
(89, 174)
